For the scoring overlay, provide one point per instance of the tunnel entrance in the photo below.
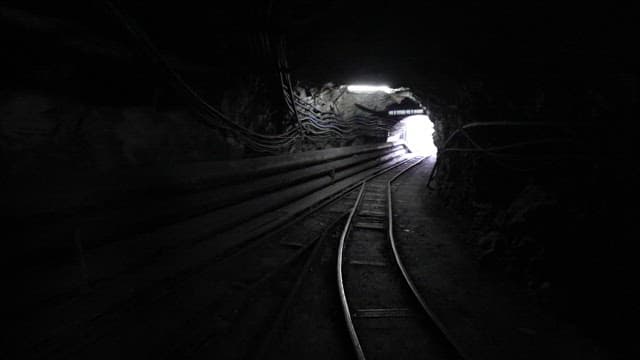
(417, 133)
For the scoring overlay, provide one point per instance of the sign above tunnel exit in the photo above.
(406, 111)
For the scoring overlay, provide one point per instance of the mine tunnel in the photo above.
(318, 180)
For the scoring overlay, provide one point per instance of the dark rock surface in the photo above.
(552, 206)
(489, 315)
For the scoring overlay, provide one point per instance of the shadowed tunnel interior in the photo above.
(176, 178)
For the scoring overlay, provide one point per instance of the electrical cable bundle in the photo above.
(322, 125)
(210, 116)
(310, 122)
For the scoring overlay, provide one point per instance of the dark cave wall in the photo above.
(554, 216)
(80, 95)
(44, 134)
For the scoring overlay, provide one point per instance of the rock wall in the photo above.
(44, 134)
(553, 215)
(360, 117)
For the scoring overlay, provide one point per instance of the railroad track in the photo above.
(385, 315)
(264, 309)
(345, 202)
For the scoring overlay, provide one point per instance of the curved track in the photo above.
(345, 200)
(384, 314)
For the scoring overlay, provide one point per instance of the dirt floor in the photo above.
(490, 316)
(313, 326)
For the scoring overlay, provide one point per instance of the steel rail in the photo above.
(262, 349)
(343, 297)
(343, 236)
(432, 315)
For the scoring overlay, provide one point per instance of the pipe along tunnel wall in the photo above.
(153, 226)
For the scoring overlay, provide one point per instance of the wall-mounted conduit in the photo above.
(493, 151)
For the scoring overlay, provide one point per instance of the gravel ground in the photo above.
(313, 327)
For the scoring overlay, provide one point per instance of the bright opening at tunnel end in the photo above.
(367, 89)
(417, 133)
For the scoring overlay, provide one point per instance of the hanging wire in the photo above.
(211, 116)
(311, 123)
(493, 151)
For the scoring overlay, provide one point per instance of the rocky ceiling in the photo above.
(398, 43)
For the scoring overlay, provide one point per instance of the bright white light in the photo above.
(406, 112)
(367, 89)
(417, 132)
